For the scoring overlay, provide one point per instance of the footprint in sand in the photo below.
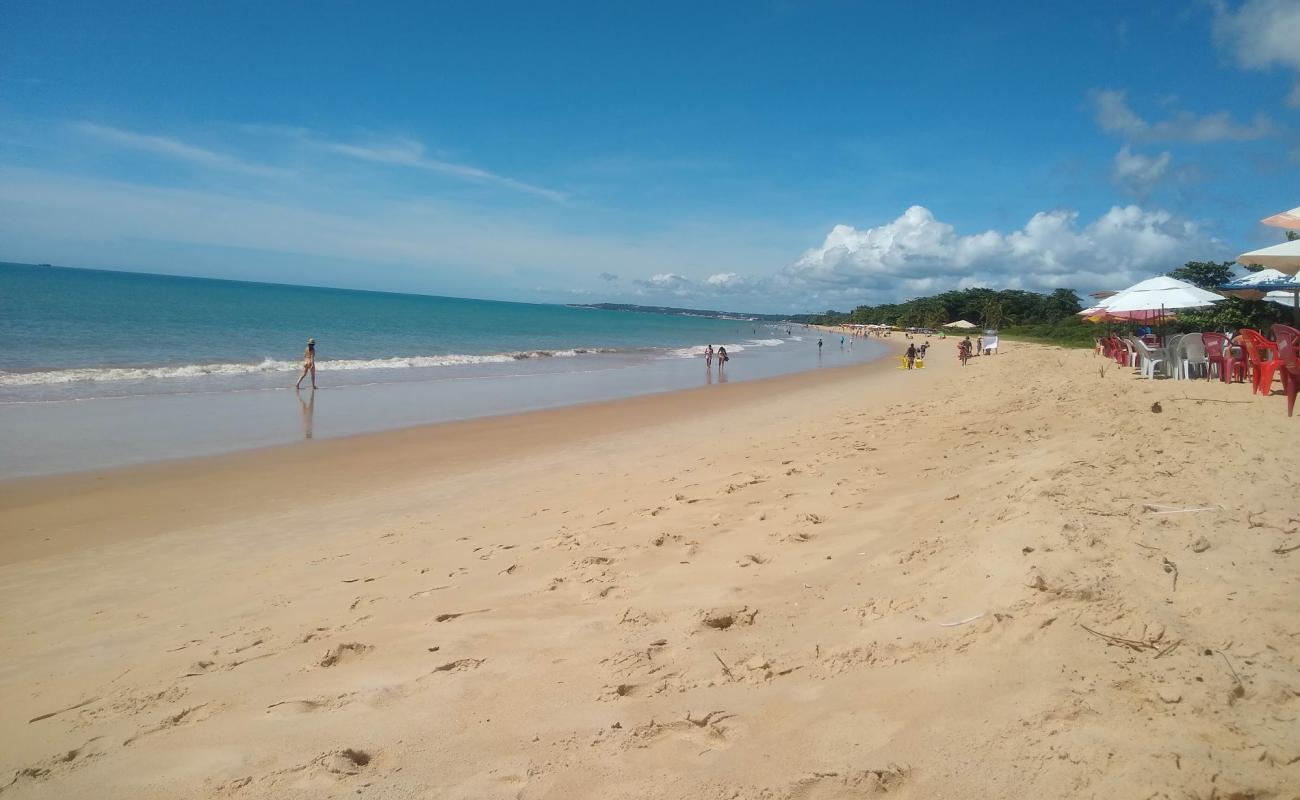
(854, 783)
(343, 652)
(69, 759)
(183, 717)
(345, 762)
(306, 706)
(460, 665)
(721, 619)
(458, 614)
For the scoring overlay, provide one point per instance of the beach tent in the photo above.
(961, 323)
(1286, 219)
(1161, 293)
(1283, 257)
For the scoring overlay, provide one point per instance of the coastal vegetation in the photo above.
(1053, 317)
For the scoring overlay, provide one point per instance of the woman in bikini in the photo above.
(308, 364)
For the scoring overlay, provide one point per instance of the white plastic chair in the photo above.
(1152, 357)
(1173, 364)
(1192, 356)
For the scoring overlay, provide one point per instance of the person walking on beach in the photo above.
(819, 345)
(308, 364)
(723, 358)
(911, 356)
(708, 356)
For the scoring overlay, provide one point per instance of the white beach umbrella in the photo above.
(1283, 257)
(961, 323)
(1286, 219)
(1159, 293)
(1283, 298)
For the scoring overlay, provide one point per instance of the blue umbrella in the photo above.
(1263, 284)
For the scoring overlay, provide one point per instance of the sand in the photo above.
(958, 582)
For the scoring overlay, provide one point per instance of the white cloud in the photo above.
(401, 152)
(1261, 34)
(669, 282)
(1137, 173)
(1115, 116)
(174, 149)
(410, 153)
(917, 254)
(732, 283)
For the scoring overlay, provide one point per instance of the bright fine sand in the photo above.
(953, 583)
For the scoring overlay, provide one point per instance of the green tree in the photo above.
(991, 313)
(1205, 274)
(1233, 314)
(1060, 304)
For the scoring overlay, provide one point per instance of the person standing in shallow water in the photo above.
(708, 356)
(308, 364)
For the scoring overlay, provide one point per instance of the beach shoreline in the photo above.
(950, 582)
(81, 502)
(53, 436)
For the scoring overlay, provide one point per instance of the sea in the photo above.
(103, 368)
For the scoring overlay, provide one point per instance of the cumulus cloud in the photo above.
(1262, 34)
(1137, 173)
(1114, 115)
(732, 283)
(917, 254)
(668, 282)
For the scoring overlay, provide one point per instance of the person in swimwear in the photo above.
(708, 356)
(308, 364)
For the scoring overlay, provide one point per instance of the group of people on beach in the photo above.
(721, 355)
(915, 354)
(966, 351)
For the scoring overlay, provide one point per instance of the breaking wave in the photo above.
(112, 374)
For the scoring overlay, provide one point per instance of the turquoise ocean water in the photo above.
(101, 369)
(72, 333)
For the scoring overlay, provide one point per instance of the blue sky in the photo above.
(779, 156)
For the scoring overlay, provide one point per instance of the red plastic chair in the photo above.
(1218, 351)
(1288, 351)
(1118, 351)
(1261, 356)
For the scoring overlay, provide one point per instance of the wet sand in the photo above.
(958, 582)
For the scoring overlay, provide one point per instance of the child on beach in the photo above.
(308, 364)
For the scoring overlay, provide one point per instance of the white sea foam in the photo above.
(698, 350)
(115, 374)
